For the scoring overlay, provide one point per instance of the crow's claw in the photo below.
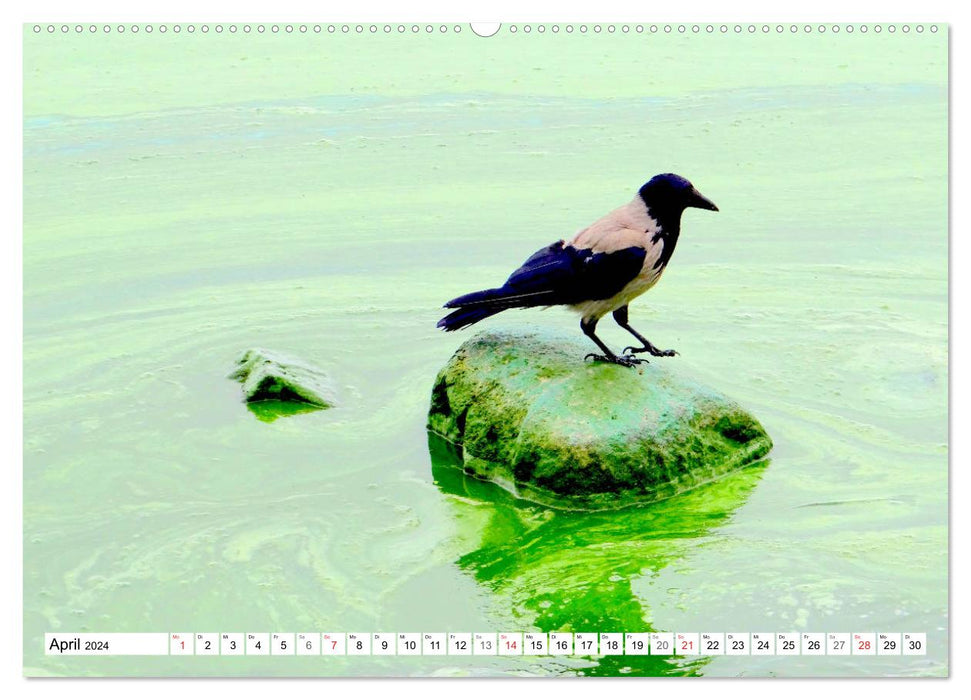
(653, 350)
(624, 360)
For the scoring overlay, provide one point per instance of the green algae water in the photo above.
(190, 196)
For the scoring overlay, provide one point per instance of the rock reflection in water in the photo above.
(572, 571)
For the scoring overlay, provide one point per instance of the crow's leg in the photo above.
(588, 328)
(620, 316)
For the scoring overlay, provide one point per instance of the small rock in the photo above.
(271, 376)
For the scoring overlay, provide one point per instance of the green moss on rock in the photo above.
(530, 415)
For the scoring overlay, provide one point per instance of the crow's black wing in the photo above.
(569, 275)
(560, 274)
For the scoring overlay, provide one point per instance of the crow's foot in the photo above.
(624, 360)
(653, 350)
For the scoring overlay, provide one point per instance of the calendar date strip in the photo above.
(486, 644)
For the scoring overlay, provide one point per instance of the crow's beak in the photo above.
(701, 201)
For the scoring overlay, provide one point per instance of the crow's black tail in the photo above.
(463, 318)
(472, 308)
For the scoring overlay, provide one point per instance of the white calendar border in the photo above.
(13, 643)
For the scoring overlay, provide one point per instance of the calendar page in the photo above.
(365, 350)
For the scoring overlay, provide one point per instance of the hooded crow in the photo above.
(598, 271)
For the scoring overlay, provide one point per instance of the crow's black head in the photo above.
(672, 194)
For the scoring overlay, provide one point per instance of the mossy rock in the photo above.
(267, 375)
(532, 416)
